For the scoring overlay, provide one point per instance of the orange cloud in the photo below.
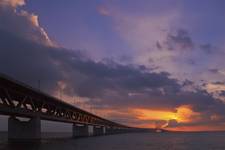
(13, 3)
(183, 114)
(145, 114)
(186, 114)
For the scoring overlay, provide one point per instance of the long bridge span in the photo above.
(20, 100)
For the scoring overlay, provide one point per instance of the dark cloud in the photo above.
(158, 45)
(160, 123)
(27, 61)
(208, 48)
(180, 40)
(172, 123)
(213, 70)
(30, 62)
(219, 83)
(191, 62)
(222, 93)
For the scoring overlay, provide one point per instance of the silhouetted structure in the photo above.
(20, 100)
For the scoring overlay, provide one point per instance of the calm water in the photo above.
(134, 141)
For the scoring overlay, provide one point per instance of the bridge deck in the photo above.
(19, 99)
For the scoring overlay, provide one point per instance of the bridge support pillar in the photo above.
(116, 130)
(109, 130)
(80, 130)
(99, 130)
(24, 130)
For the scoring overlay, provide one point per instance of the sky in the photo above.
(146, 63)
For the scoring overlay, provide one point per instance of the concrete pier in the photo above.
(98, 130)
(112, 130)
(109, 130)
(80, 130)
(24, 130)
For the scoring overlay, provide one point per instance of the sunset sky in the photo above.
(143, 63)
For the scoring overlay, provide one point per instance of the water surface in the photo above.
(131, 141)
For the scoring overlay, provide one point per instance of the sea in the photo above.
(129, 141)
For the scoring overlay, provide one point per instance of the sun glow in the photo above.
(182, 114)
(145, 114)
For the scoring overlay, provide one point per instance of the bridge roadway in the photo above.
(20, 100)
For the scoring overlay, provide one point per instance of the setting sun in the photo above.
(182, 114)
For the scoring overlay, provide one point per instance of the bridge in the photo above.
(20, 100)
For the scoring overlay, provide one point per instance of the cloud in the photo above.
(171, 38)
(103, 10)
(172, 123)
(21, 23)
(12, 3)
(27, 54)
(181, 40)
(216, 89)
(31, 60)
(222, 93)
(214, 70)
(208, 48)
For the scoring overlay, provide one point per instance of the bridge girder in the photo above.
(18, 99)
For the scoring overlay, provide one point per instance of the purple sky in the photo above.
(128, 32)
(123, 56)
